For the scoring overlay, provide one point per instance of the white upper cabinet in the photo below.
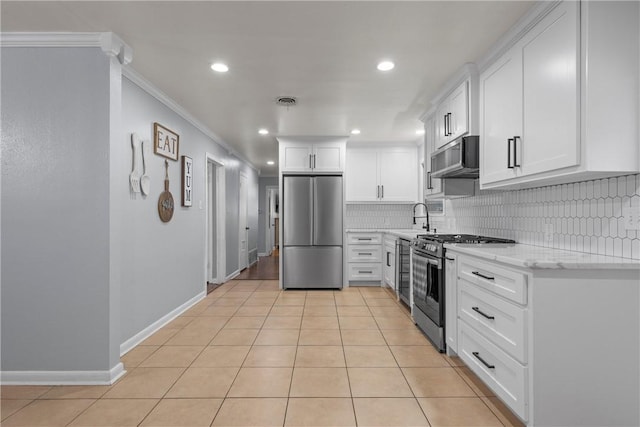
(543, 106)
(431, 185)
(501, 116)
(312, 154)
(362, 176)
(382, 175)
(452, 116)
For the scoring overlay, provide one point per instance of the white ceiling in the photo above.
(324, 53)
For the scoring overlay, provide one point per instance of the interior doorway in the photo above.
(272, 218)
(215, 258)
(243, 228)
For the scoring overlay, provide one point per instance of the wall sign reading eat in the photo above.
(166, 142)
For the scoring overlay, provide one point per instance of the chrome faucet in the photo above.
(426, 210)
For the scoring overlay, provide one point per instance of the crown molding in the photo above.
(148, 87)
(111, 44)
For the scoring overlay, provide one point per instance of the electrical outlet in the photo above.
(548, 233)
(631, 216)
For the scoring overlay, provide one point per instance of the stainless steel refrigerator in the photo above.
(312, 232)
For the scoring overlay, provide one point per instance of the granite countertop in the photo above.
(537, 257)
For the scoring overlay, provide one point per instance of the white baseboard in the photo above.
(261, 254)
(63, 377)
(232, 276)
(152, 328)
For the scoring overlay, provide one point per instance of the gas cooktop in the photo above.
(462, 238)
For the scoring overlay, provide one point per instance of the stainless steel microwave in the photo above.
(458, 159)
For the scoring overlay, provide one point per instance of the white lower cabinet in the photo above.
(502, 321)
(554, 344)
(503, 374)
(389, 261)
(364, 258)
(451, 303)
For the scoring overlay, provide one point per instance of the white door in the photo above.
(243, 229)
(296, 158)
(501, 117)
(459, 108)
(441, 128)
(362, 176)
(398, 175)
(212, 274)
(327, 158)
(550, 93)
(431, 185)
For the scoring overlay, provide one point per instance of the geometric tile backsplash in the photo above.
(584, 216)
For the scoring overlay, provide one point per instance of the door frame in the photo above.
(269, 234)
(243, 263)
(220, 211)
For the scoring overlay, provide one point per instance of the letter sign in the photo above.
(187, 181)
(165, 142)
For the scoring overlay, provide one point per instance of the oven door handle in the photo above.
(435, 262)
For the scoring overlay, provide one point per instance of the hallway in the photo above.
(266, 268)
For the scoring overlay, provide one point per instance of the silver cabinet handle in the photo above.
(314, 161)
(365, 271)
(310, 164)
(365, 253)
(382, 197)
(515, 151)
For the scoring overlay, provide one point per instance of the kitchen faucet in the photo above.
(426, 210)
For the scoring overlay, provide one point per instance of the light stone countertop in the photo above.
(407, 233)
(537, 257)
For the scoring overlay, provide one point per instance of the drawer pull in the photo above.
(477, 310)
(364, 238)
(365, 253)
(482, 275)
(365, 271)
(477, 356)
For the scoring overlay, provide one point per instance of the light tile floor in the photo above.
(252, 355)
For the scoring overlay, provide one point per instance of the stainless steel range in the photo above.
(427, 266)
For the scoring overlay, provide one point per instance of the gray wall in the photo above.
(263, 210)
(164, 262)
(55, 209)
(86, 264)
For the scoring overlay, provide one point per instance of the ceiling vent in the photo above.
(286, 101)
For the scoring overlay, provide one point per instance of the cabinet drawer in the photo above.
(502, 322)
(365, 271)
(364, 238)
(504, 375)
(364, 253)
(508, 283)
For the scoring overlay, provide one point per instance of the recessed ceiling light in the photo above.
(386, 65)
(271, 162)
(220, 67)
(355, 132)
(420, 132)
(263, 132)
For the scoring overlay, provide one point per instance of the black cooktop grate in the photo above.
(462, 238)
